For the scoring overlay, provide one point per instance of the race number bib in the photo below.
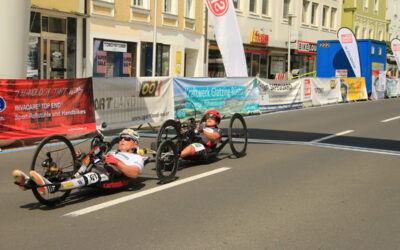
(198, 147)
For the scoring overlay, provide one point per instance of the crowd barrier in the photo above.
(37, 108)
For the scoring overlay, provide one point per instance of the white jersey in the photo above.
(129, 159)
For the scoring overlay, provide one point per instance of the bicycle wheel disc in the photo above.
(237, 133)
(55, 160)
(167, 161)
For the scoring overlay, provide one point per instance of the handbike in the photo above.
(56, 160)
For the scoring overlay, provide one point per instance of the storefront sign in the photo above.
(38, 108)
(101, 62)
(306, 47)
(257, 37)
(127, 64)
(115, 46)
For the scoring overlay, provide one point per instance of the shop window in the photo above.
(215, 64)
(33, 63)
(146, 59)
(54, 25)
(162, 60)
(34, 26)
(71, 48)
(114, 59)
(263, 66)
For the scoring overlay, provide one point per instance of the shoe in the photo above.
(40, 181)
(20, 179)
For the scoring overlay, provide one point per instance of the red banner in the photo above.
(38, 108)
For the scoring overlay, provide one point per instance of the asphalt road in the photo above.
(301, 186)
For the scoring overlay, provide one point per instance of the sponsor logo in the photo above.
(218, 7)
(324, 45)
(257, 37)
(306, 47)
(307, 87)
(346, 38)
(333, 84)
(68, 184)
(148, 89)
(396, 47)
(2, 104)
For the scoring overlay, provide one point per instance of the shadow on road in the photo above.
(345, 140)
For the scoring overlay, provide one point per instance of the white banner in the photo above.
(125, 102)
(228, 36)
(325, 91)
(350, 47)
(392, 87)
(378, 86)
(281, 94)
(396, 50)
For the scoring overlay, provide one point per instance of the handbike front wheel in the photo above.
(55, 160)
(169, 130)
(167, 161)
(237, 134)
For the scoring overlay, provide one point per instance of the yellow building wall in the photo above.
(123, 10)
(62, 5)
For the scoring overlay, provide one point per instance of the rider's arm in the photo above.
(211, 134)
(130, 171)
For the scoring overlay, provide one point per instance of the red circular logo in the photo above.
(218, 7)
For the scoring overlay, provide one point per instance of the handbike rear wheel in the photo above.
(55, 160)
(237, 133)
(167, 159)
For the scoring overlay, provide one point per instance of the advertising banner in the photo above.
(395, 44)
(125, 102)
(349, 43)
(307, 89)
(353, 89)
(38, 108)
(325, 91)
(282, 94)
(228, 96)
(378, 81)
(392, 87)
(227, 34)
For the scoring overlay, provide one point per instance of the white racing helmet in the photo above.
(131, 133)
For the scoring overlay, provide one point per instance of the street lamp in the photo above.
(289, 17)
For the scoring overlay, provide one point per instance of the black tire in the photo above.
(95, 142)
(57, 151)
(170, 130)
(114, 144)
(237, 134)
(167, 159)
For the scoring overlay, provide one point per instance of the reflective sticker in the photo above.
(198, 147)
(92, 178)
(68, 184)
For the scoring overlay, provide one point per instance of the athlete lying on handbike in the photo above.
(124, 162)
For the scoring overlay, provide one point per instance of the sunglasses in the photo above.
(126, 139)
(211, 116)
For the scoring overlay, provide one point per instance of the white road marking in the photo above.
(391, 119)
(332, 136)
(144, 193)
(326, 145)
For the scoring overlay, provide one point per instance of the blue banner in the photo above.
(193, 96)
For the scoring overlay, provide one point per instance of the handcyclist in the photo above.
(207, 137)
(125, 161)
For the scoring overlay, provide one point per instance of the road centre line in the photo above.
(144, 193)
(391, 119)
(327, 145)
(332, 136)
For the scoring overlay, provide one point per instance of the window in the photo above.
(305, 11)
(371, 34)
(236, 3)
(333, 18)
(162, 60)
(265, 7)
(253, 6)
(376, 5)
(366, 3)
(286, 8)
(54, 25)
(170, 6)
(324, 16)
(146, 59)
(189, 10)
(138, 3)
(314, 8)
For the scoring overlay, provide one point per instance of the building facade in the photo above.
(367, 18)
(266, 25)
(122, 34)
(56, 39)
